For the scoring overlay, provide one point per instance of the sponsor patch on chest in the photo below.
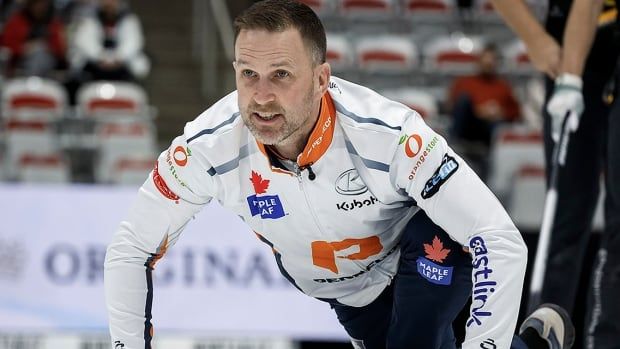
(267, 206)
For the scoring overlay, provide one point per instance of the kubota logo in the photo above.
(413, 144)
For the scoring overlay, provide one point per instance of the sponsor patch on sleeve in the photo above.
(448, 167)
(161, 185)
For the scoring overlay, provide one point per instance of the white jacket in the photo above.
(374, 164)
(87, 44)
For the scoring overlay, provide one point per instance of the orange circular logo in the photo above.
(413, 145)
(180, 156)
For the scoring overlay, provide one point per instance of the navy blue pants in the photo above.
(432, 285)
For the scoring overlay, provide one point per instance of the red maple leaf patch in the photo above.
(260, 184)
(436, 252)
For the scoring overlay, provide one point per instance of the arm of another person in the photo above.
(131, 41)
(176, 189)
(453, 196)
(543, 50)
(567, 99)
(87, 43)
(579, 35)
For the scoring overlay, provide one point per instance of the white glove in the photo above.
(567, 99)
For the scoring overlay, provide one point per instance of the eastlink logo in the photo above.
(483, 285)
(488, 344)
(352, 205)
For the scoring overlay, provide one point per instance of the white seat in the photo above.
(513, 148)
(455, 53)
(532, 102)
(33, 98)
(516, 58)
(368, 8)
(52, 168)
(132, 170)
(386, 53)
(112, 100)
(320, 7)
(527, 201)
(339, 52)
(433, 8)
(27, 138)
(122, 140)
(415, 98)
(485, 10)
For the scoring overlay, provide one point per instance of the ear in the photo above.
(324, 73)
(234, 64)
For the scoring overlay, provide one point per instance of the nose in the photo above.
(263, 93)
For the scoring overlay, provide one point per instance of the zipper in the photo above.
(299, 175)
(297, 171)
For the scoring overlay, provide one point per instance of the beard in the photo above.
(291, 121)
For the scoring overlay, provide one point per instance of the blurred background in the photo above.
(93, 90)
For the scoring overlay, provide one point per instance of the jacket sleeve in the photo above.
(453, 196)
(86, 43)
(176, 189)
(131, 40)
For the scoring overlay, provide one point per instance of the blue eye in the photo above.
(282, 74)
(248, 73)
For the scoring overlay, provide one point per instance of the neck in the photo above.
(293, 146)
(289, 151)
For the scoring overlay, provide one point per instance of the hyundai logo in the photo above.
(350, 183)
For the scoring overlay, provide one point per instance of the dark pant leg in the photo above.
(431, 287)
(369, 323)
(603, 321)
(418, 309)
(578, 188)
(120, 73)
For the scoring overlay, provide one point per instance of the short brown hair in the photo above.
(279, 15)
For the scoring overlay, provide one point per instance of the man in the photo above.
(478, 104)
(481, 101)
(109, 45)
(283, 152)
(582, 68)
(34, 37)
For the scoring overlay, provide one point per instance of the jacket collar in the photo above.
(320, 137)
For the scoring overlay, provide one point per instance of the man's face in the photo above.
(38, 9)
(488, 62)
(279, 88)
(110, 7)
